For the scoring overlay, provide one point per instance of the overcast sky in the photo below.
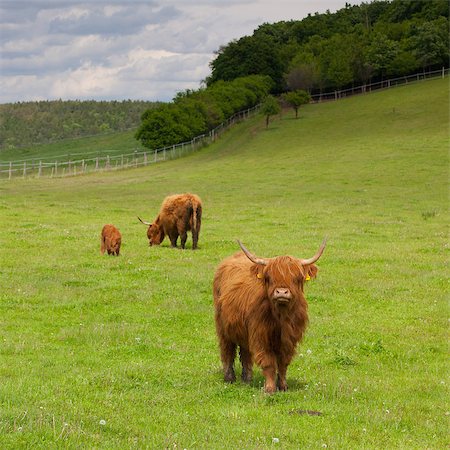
(119, 49)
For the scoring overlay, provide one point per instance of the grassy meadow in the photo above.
(115, 353)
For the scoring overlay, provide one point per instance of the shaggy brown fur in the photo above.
(178, 214)
(111, 240)
(261, 309)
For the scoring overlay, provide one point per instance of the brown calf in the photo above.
(178, 214)
(260, 307)
(111, 240)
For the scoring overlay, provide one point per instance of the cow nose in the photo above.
(282, 292)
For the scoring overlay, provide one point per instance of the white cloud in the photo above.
(119, 49)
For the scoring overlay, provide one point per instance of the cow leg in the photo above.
(269, 369)
(173, 236)
(183, 237)
(228, 353)
(247, 365)
(194, 239)
(102, 248)
(281, 379)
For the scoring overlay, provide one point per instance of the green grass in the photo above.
(131, 340)
(101, 145)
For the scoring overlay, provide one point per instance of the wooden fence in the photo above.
(51, 167)
(385, 84)
(137, 158)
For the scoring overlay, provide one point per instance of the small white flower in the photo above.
(387, 411)
(275, 440)
(19, 429)
(102, 422)
(324, 445)
(309, 351)
(364, 430)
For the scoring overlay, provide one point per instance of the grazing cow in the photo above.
(260, 307)
(111, 240)
(178, 214)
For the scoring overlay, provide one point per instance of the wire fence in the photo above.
(52, 167)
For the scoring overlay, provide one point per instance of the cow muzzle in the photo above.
(282, 296)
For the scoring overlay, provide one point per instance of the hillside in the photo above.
(33, 123)
(102, 352)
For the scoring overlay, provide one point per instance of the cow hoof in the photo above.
(229, 377)
(270, 390)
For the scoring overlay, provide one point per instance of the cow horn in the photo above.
(312, 260)
(251, 256)
(144, 222)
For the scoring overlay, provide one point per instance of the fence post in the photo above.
(96, 164)
(56, 168)
(145, 158)
(24, 169)
(10, 170)
(156, 155)
(40, 169)
(443, 72)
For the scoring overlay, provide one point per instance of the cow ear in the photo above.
(257, 271)
(311, 271)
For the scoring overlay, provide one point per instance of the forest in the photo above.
(354, 46)
(30, 123)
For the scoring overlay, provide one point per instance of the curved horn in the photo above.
(251, 256)
(144, 222)
(312, 260)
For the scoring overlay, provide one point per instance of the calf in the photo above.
(111, 240)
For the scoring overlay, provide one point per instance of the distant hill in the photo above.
(31, 123)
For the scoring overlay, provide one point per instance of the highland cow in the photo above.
(111, 239)
(178, 215)
(260, 307)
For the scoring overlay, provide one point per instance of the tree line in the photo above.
(354, 46)
(30, 123)
(195, 112)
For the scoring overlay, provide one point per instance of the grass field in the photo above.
(90, 147)
(114, 353)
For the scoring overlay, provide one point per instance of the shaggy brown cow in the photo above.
(178, 214)
(111, 240)
(260, 307)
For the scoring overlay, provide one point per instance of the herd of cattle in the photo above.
(259, 303)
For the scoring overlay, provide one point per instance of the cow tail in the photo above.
(194, 216)
(196, 212)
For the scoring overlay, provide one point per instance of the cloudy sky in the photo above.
(125, 49)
